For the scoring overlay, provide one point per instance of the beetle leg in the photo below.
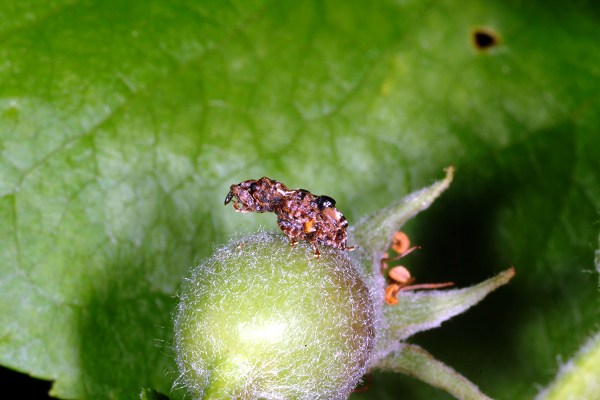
(317, 253)
(240, 208)
(293, 242)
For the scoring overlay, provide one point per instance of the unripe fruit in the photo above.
(260, 319)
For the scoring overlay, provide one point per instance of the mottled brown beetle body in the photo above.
(300, 214)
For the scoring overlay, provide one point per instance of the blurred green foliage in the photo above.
(122, 125)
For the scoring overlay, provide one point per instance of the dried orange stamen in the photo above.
(400, 242)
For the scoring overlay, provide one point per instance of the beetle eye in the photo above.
(325, 202)
(253, 187)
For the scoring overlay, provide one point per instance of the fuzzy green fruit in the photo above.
(260, 319)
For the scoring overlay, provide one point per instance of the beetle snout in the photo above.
(229, 197)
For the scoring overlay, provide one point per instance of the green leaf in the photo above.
(580, 377)
(123, 124)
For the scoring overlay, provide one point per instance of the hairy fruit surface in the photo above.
(260, 319)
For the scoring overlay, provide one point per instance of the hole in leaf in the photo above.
(485, 38)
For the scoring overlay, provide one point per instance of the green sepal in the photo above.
(151, 394)
(374, 232)
(423, 310)
(413, 360)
